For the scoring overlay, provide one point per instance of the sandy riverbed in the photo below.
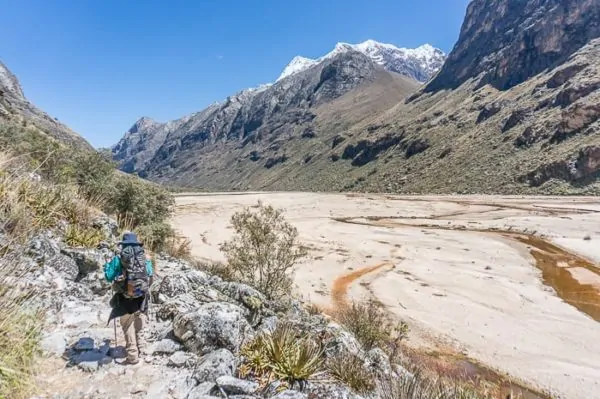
(453, 270)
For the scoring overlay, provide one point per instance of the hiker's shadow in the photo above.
(86, 352)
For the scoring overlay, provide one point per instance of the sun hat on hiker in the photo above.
(130, 239)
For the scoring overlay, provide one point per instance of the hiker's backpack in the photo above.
(133, 264)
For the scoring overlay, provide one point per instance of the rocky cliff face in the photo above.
(15, 107)
(505, 42)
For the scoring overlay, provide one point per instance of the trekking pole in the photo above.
(114, 320)
(115, 326)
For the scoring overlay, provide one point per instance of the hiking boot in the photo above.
(130, 362)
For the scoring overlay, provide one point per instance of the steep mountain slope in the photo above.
(519, 115)
(15, 107)
(258, 125)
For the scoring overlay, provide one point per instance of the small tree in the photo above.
(264, 249)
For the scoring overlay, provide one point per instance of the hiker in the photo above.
(131, 274)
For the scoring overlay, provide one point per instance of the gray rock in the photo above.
(243, 294)
(54, 343)
(214, 365)
(213, 326)
(340, 341)
(165, 346)
(378, 362)
(87, 260)
(42, 247)
(173, 307)
(96, 282)
(181, 359)
(109, 227)
(174, 285)
(289, 394)
(268, 324)
(331, 391)
(64, 266)
(236, 386)
(202, 391)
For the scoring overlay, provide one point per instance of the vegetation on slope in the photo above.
(46, 185)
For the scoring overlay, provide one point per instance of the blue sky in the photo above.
(98, 66)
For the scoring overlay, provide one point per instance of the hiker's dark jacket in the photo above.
(119, 303)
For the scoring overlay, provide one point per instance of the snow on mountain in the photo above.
(296, 65)
(420, 63)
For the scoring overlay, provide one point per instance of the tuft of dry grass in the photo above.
(420, 387)
(84, 237)
(216, 269)
(350, 369)
(179, 247)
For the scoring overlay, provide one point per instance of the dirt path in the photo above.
(511, 282)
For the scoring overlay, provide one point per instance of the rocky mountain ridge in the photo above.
(513, 110)
(15, 108)
(266, 114)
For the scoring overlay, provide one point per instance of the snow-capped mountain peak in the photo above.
(296, 65)
(420, 63)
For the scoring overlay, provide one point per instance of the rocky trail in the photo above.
(197, 326)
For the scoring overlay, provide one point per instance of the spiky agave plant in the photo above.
(283, 354)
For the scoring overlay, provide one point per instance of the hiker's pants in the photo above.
(132, 325)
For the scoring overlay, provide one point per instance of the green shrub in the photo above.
(155, 236)
(263, 250)
(140, 202)
(372, 326)
(94, 174)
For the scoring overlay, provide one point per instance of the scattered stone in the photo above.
(202, 391)
(214, 365)
(235, 386)
(89, 367)
(180, 359)
(166, 345)
(378, 362)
